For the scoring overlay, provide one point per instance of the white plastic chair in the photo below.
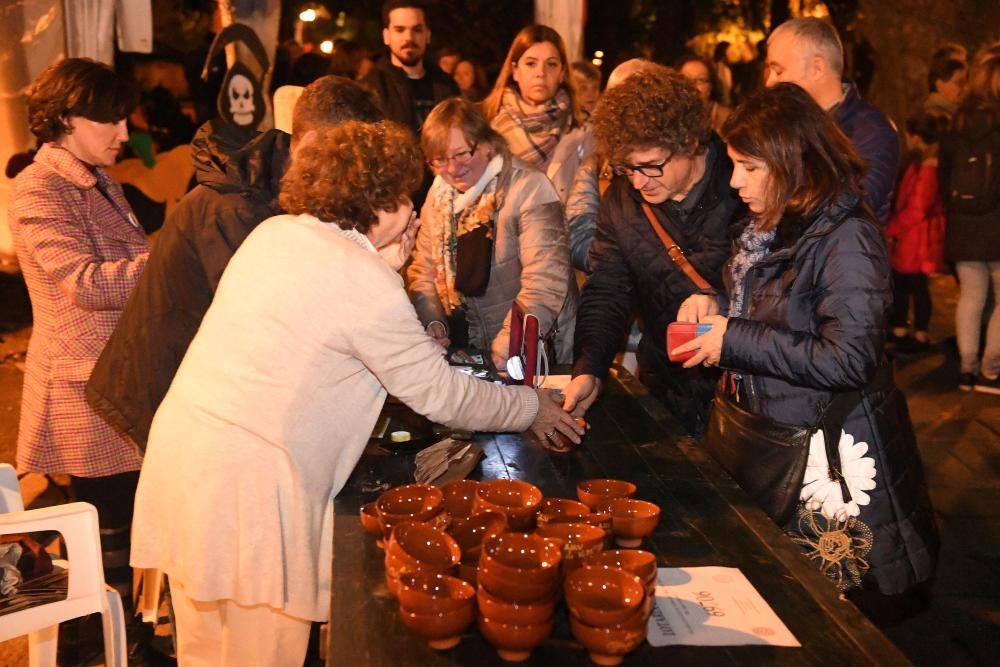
(87, 594)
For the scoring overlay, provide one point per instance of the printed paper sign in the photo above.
(712, 606)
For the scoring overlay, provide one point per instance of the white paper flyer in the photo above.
(712, 606)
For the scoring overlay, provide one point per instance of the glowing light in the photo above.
(598, 54)
(597, 62)
(308, 15)
(326, 46)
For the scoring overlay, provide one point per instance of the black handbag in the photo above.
(768, 458)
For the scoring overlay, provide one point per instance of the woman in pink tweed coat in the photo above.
(81, 250)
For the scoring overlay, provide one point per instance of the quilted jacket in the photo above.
(815, 318)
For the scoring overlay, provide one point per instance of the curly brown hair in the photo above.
(77, 87)
(653, 108)
(349, 172)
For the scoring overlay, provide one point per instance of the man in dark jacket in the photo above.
(808, 52)
(407, 84)
(656, 133)
(237, 189)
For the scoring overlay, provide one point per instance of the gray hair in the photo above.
(819, 35)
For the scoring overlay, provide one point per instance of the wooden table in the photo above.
(706, 520)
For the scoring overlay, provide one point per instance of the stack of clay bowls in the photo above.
(436, 607)
(578, 541)
(412, 502)
(518, 592)
(469, 534)
(418, 547)
(459, 498)
(518, 500)
(608, 612)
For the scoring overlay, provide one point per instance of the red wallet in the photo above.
(679, 333)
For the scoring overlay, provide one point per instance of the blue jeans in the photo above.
(974, 280)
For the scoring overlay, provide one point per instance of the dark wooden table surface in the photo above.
(705, 521)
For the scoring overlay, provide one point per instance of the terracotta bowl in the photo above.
(427, 593)
(442, 630)
(512, 589)
(561, 510)
(601, 597)
(459, 497)
(632, 520)
(419, 546)
(369, 520)
(607, 646)
(593, 492)
(514, 643)
(579, 539)
(518, 500)
(471, 532)
(640, 563)
(411, 502)
(525, 613)
(522, 557)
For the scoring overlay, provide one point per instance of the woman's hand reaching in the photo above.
(554, 428)
(708, 347)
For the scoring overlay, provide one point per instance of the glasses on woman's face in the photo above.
(649, 170)
(460, 158)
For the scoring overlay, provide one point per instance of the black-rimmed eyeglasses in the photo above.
(649, 170)
(458, 158)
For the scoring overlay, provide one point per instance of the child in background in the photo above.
(916, 233)
(587, 81)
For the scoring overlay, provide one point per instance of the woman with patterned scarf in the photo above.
(533, 106)
(492, 232)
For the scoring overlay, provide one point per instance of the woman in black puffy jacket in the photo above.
(808, 297)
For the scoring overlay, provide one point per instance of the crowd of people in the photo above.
(224, 382)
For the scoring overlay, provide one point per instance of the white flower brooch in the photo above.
(821, 492)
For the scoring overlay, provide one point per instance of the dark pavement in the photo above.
(959, 438)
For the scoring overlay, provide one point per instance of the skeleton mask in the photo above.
(241, 100)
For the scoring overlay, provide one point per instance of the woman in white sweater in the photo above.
(278, 393)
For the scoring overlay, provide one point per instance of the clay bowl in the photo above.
(522, 557)
(512, 589)
(593, 492)
(561, 510)
(514, 643)
(579, 540)
(640, 563)
(632, 520)
(607, 646)
(419, 546)
(459, 497)
(602, 598)
(524, 613)
(411, 502)
(427, 593)
(518, 500)
(369, 520)
(442, 630)
(470, 533)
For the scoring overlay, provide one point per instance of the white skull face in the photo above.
(241, 106)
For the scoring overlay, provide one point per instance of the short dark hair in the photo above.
(942, 69)
(334, 99)
(653, 108)
(810, 161)
(713, 75)
(587, 70)
(393, 5)
(350, 172)
(77, 87)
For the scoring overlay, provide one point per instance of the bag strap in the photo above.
(674, 251)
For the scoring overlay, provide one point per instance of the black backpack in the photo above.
(973, 178)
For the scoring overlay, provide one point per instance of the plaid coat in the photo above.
(81, 255)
